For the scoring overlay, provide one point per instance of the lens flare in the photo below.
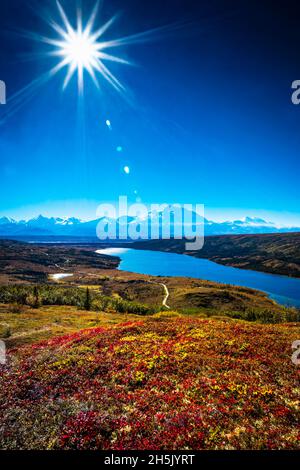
(81, 49)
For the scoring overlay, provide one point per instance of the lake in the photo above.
(284, 290)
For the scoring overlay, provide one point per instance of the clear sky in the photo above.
(207, 117)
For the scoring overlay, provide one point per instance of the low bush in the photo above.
(33, 296)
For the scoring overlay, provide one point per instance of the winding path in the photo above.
(166, 296)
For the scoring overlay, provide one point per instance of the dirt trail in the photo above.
(166, 296)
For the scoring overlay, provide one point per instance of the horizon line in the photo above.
(90, 219)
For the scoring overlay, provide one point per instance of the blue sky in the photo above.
(208, 116)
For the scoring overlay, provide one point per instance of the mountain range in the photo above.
(73, 227)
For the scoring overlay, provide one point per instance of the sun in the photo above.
(81, 49)
(79, 52)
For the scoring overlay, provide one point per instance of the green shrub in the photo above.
(74, 296)
(286, 315)
(6, 333)
(87, 300)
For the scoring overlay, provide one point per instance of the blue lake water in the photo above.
(285, 290)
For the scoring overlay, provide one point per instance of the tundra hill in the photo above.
(161, 384)
(26, 262)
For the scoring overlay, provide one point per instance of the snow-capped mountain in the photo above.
(74, 227)
(254, 222)
(37, 226)
(41, 221)
(6, 220)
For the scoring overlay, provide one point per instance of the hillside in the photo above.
(25, 262)
(272, 253)
(154, 384)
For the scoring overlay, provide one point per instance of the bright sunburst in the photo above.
(81, 49)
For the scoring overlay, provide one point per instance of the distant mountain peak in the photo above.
(38, 217)
(74, 227)
(257, 221)
(7, 220)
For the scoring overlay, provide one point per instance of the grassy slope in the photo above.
(155, 384)
(273, 253)
(32, 325)
(21, 324)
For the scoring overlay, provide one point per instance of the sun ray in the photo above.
(58, 29)
(112, 58)
(69, 75)
(92, 19)
(64, 18)
(23, 96)
(80, 49)
(93, 75)
(79, 21)
(108, 75)
(80, 78)
(142, 37)
(103, 29)
(39, 38)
